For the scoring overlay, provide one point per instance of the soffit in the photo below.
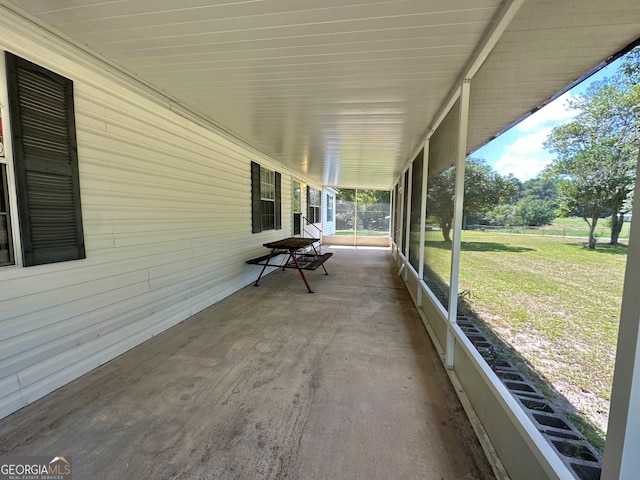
(339, 90)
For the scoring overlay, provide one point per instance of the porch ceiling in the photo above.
(345, 90)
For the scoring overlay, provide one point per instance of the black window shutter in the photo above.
(46, 163)
(278, 202)
(256, 222)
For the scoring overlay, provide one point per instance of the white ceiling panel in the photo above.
(345, 90)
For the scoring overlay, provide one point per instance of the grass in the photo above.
(565, 227)
(594, 435)
(555, 302)
(577, 223)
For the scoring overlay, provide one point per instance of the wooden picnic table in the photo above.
(298, 256)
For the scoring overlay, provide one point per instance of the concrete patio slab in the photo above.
(269, 383)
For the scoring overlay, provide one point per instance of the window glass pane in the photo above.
(267, 184)
(5, 253)
(345, 212)
(416, 219)
(396, 214)
(272, 184)
(373, 212)
(440, 206)
(330, 201)
(267, 214)
(362, 212)
(1, 139)
(314, 197)
(296, 196)
(3, 189)
(437, 250)
(6, 243)
(297, 218)
(405, 203)
(314, 206)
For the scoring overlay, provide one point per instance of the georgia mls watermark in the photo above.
(35, 468)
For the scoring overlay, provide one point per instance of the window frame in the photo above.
(266, 202)
(267, 199)
(5, 211)
(296, 206)
(330, 207)
(7, 178)
(314, 204)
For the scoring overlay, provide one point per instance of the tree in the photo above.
(372, 205)
(534, 212)
(373, 208)
(630, 73)
(483, 190)
(440, 191)
(541, 188)
(504, 214)
(596, 154)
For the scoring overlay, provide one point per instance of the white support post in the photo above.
(423, 216)
(621, 459)
(355, 219)
(392, 213)
(461, 158)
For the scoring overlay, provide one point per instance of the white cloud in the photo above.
(525, 156)
(555, 113)
(521, 167)
(529, 144)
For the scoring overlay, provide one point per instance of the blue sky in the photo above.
(519, 150)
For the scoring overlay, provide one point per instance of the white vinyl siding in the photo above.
(167, 220)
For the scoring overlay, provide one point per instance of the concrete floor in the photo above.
(270, 383)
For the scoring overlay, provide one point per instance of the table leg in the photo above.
(264, 267)
(316, 253)
(304, 279)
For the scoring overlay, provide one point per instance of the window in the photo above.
(45, 165)
(296, 206)
(403, 211)
(266, 209)
(330, 201)
(416, 209)
(6, 239)
(267, 198)
(313, 205)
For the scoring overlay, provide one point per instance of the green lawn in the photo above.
(573, 224)
(565, 227)
(557, 303)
